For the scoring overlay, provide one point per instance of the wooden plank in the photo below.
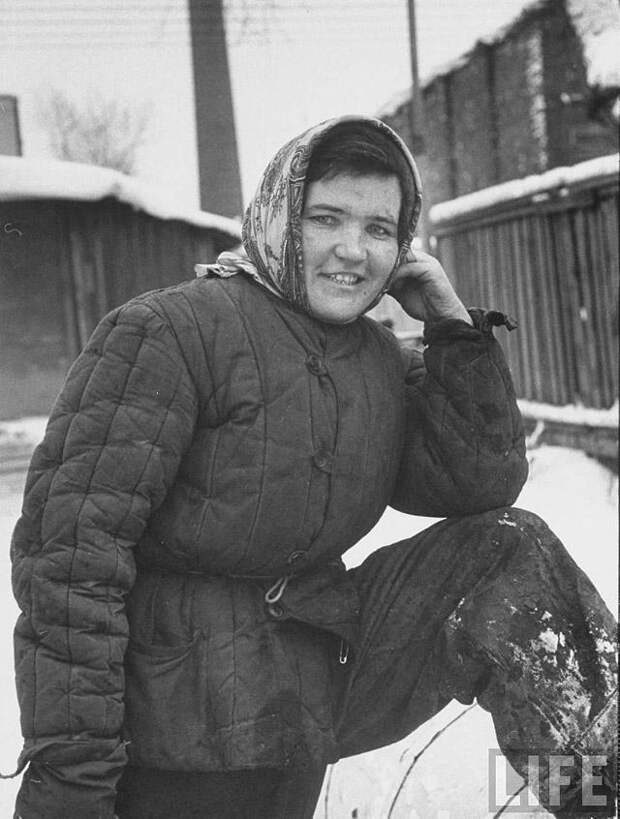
(113, 254)
(473, 266)
(151, 263)
(563, 273)
(79, 273)
(602, 318)
(515, 349)
(573, 285)
(96, 228)
(526, 309)
(555, 346)
(592, 398)
(537, 296)
(609, 229)
(537, 324)
(460, 268)
(69, 304)
(490, 285)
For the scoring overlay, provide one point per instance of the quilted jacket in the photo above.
(214, 444)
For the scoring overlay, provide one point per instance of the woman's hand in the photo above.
(423, 289)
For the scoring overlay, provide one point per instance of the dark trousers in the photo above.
(254, 794)
(489, 606)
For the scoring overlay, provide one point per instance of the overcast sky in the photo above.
(293, 63)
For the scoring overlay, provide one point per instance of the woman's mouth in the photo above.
(348, 279)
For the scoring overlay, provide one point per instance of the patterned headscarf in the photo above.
(271, 231)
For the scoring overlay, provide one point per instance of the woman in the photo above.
(188, 626)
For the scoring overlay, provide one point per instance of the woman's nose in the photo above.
(350, 245)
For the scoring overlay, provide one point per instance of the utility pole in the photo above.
(416, 119)
(218, 163)
(416, 111)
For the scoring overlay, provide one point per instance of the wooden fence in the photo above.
(63, 265)
(551, 261)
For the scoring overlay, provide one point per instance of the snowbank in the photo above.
(597, 23)
(571, 414)
(26, 432)
(22, 178)
(558, 180)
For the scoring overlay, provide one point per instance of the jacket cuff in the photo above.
(76, 781)
(448, 329)
(44, 794)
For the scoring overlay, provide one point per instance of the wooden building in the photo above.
(76, 241)
(545, 250)
(540, 93)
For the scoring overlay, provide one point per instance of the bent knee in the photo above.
(528, 523)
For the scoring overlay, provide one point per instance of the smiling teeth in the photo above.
(344, 278)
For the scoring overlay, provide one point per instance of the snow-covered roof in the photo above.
(530, 186)
(24, 178)
(597, 23)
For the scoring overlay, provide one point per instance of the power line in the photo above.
(327, 7)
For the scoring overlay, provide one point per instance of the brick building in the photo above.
(540, 93)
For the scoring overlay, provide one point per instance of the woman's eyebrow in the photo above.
(325, 206)
(389, 219)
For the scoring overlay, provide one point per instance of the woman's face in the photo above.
(350, 242)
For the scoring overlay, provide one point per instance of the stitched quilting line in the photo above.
(167, 320)
(364, 378)
(263, 405)
(213, 396)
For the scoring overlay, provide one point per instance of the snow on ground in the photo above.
(53, 179)
(575, 494)
(23, 432)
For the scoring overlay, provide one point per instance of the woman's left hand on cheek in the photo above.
(424, 291)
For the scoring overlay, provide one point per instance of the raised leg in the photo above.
(490, 606)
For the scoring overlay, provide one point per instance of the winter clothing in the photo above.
(205, 471)
(155, 794)
(214, 452)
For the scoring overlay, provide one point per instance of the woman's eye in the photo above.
(323, 219)
(380, 231)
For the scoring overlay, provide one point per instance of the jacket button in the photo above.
(323, 460)
(275, 610)
(296, 557)
(316, 365)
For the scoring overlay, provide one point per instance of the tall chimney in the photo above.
(218, 163)
(10, 137)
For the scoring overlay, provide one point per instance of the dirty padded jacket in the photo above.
(210, 439)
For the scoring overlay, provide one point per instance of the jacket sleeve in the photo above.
(111, 451)
(464, 448)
